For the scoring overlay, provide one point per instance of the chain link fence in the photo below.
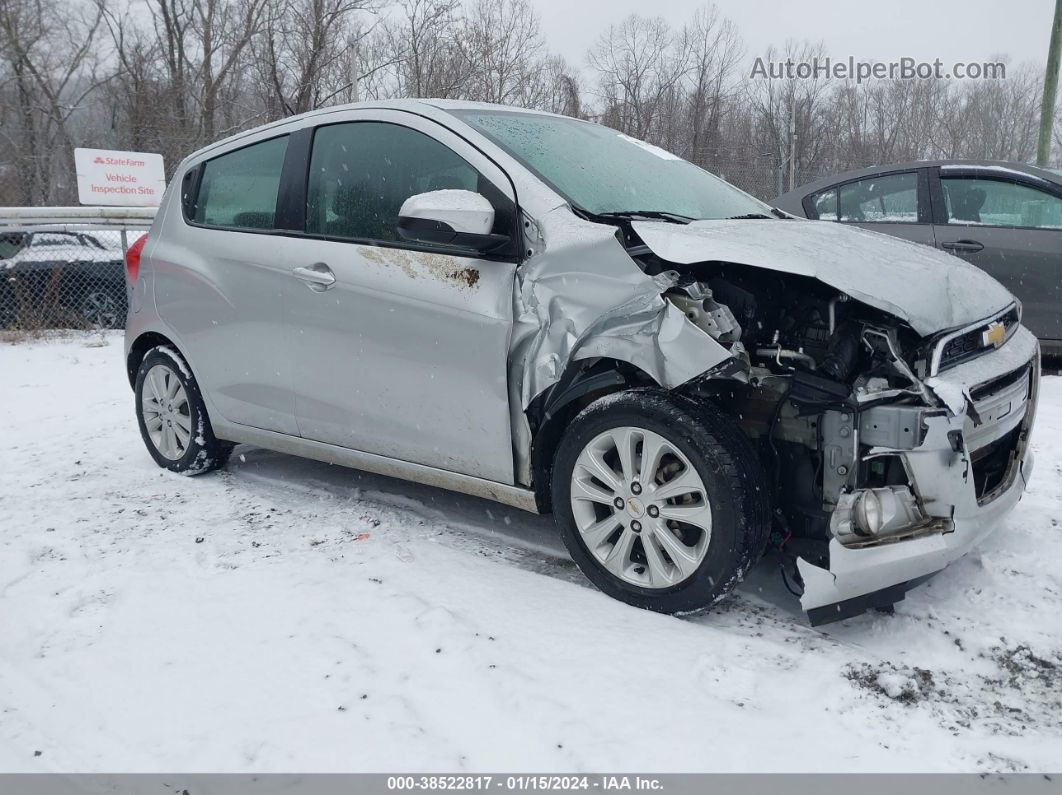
(755, 172)
(64, 267)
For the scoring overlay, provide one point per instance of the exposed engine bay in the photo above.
(889, 390)
(830, 388)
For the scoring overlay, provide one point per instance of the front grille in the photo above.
(997, 429)
(989, 388)
(971, 343)
(992, 463)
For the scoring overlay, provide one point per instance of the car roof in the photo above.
(432, 108)
(791, 201)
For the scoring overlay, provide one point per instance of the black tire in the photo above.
(203, 452)
(733, 479)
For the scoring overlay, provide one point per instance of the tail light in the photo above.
(132, 259)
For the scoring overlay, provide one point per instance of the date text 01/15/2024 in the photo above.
(523, 782)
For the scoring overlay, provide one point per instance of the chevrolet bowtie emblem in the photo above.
(994, 335)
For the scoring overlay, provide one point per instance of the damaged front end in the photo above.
(927, 483)
(892, 411)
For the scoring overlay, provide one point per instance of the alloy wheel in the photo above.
(167, 415)
(641, 508)
(99, 309)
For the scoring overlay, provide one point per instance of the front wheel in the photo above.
(661, 502)
(173, 418)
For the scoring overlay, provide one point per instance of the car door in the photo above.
(894, 203)
(400, 349)
(1010, 228)
(220, 269)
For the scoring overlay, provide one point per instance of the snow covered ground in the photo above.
(287, 615)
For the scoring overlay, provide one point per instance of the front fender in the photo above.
(584, 297)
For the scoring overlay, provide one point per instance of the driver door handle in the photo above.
(317, 276)
(963, 245)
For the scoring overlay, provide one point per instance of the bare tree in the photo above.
(503, 45)
(715, 50)
(639, 63)
(431, 60)
(994, 119)
(562, 90)
(105, 73)
(791, 117)
(880, 121)
(300, 53)
(51, 55)
(223, 29)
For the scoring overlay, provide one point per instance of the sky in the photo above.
(884, 30)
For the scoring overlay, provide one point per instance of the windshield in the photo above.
(600, 171)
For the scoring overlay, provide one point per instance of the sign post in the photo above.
(119, 178)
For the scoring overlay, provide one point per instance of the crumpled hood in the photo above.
(930, 290)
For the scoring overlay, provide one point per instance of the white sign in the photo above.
(120, 178)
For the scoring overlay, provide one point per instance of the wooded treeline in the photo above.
(172, 75)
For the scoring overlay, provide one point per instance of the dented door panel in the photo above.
(405, 356)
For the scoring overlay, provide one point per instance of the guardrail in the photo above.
(30, 218)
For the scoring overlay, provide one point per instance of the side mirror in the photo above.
(450, 218)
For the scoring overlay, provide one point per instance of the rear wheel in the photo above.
(103, 307)
(173, 418)
(661, 502)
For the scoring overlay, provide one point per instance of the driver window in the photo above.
(362, 172)
(995, 202)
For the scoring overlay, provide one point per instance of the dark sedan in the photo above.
(61, 279)
(1005, 218)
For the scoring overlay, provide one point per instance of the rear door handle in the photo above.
(317, 276)
(963, 245)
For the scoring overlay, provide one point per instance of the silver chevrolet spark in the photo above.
(550, 314)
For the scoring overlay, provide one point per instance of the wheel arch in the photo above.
(139, 349)
(551, 412)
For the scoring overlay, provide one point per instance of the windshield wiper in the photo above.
(758, 215)
(662, 215)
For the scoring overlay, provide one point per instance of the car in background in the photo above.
(1005, 218)
(61, 278)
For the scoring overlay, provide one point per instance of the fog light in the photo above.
(868, 513)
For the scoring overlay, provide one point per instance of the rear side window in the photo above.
(361, 172)
(889, 199)
(824, 205)
(239, 189)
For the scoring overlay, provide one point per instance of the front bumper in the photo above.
(944, 475)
